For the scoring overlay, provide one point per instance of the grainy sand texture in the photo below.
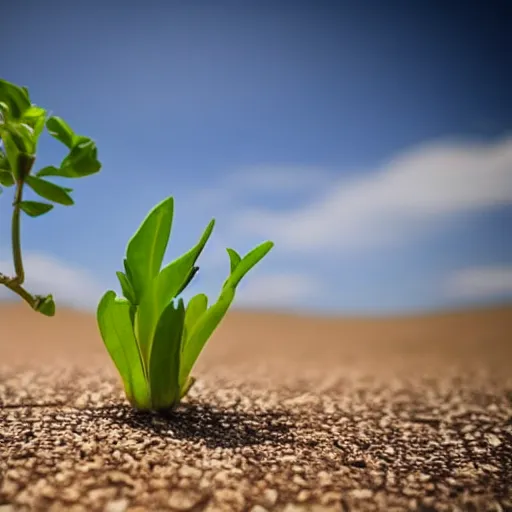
(288, 413)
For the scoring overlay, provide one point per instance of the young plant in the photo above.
(152, 337)
(21, 125)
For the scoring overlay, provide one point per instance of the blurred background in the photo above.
(370, 140)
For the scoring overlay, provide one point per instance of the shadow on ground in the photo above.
(217, 428)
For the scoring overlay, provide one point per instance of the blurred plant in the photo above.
(152, 338)
(21, 125)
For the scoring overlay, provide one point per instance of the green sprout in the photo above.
(153, 339)
(21, 125)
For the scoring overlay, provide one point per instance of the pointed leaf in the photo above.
(164, 367)
(16, 98)
(205, 324)
(34, 208)
(147, 246)
(177, 273)
(113, 316)
(126, 286)
(49, 190)
(59, 129)
(234, 258)
(165, 286)
(202, 330)
(248, 262)
(188, 280)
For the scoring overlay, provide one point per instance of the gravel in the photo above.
(289, 414)
(69, 441)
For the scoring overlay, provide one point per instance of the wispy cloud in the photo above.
(480, 282)
(409, 193)
(45, 274)
(278, 290)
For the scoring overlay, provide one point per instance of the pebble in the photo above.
(256, 508)
(362, 494)
(117, 506)
(270, 497)
(493, 440)
(190, 472)
(182, 500)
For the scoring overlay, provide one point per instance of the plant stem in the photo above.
(15, 283)
(17, 288)
(15, 234)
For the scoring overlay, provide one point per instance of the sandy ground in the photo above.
(289, 413)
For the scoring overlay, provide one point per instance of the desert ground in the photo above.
(289, 413)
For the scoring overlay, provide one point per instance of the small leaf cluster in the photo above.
(153, 339)
(21, 125)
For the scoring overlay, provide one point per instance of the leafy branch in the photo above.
(21, 125)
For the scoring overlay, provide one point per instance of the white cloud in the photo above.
(45, 274)
(410, 192)
(278, 290)
(233, 190)
(480, 282)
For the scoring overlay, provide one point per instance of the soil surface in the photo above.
(288, 413)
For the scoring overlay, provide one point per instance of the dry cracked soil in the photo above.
(289, 413)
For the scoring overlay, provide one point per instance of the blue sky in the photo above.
(372, 141)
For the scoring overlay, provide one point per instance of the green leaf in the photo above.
(248, 262)
(16, 98)
(202, 330)
(6, 178)
(164, 365)
(82, 160)
(49, 170)
(196, 306)
(113, 316)
(176, 274)
(34, 208)
(45, 305)
(234, 259)
(188, 280)
(164, 287)
(147, 246)
(4, 162)
(12, 152)
(49, 190)
(34, 112)
(186, 388)
(59, 129)
(35, 117)
(126, 286)
(23, 136)
(205, 324)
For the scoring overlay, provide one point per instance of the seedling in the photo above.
(21, 125)
(153, 339)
